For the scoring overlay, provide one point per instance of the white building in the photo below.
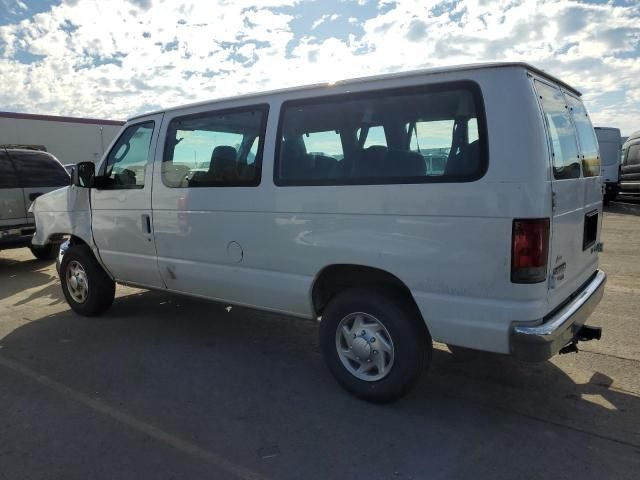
(71, 140)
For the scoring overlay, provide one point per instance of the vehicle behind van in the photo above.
(462, 205)
(610, 143)
(25, 174)
(630, 169)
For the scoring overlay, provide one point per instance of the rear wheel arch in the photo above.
(337, 278)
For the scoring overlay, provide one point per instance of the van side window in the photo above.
(37, 169)
(409, 135)
(215, 149)
(433, 141)
(127, 161)
(8, 175)
(586, 138)
(566, 161)
(375, 136)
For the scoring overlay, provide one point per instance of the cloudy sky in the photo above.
(116, 58)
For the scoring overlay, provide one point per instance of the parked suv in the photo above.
(26, 174)
(630, 168)
(462, 205)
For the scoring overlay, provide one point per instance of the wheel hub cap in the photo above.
(77, 281)
(361, 348)
(364, 346)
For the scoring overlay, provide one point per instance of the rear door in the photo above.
(12, 211)
(39, 173)
(577, 192)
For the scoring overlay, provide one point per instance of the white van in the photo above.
(461, 205)
(610, 144)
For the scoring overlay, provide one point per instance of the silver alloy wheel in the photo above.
(77, 282)
(364, 346)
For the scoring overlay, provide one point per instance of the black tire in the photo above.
(608, 197)
(45, 252)
(101, 289)
(411, 340)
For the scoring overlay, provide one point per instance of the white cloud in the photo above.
(324, 18)
(114, 59)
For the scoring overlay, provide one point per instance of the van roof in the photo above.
(360, 80)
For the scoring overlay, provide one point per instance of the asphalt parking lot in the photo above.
(165, 387)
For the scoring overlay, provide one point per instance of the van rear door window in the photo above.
(586, 138)
(566, 160)
(411, 135)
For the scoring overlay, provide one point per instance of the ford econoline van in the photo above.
(461, 205)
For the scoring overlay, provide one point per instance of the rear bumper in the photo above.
(540, 342)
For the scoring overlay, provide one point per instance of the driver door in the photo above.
(122, 220)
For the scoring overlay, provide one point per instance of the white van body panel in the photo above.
(119, 227)
(415, 232)
(570, 265)
(610, 143)
(65, 211)
(449, 243)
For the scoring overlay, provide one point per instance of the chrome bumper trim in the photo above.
(540, 342)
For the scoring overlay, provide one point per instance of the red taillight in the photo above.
(530, 250)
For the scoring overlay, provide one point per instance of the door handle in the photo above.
(34, 195)
(146, 223)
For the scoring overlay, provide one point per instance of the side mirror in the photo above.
(83, 175)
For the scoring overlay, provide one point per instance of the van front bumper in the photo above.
(536, 343)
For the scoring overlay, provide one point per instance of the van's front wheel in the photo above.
(86, 286)
(373, 344)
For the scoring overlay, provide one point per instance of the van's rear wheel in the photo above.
(374, 345)
(86, 286)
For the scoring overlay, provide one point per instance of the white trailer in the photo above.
(71, 140)
(610, 145)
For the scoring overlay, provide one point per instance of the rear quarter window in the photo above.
(39, 170)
